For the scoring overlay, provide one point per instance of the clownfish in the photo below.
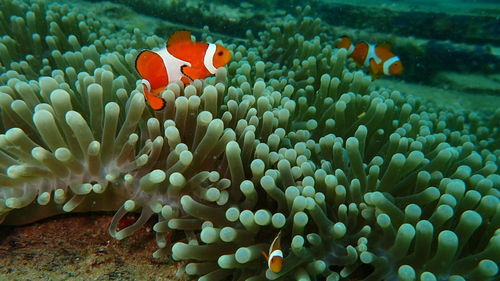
(275, 257)
(378, 58)
(180, 60)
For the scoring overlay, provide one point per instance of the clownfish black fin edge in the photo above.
(137, 58)
(164, 103)
(184, 73)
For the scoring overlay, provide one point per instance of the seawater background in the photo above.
(461, 69)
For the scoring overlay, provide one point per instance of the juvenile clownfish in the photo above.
(180, 60)
(378, 58)
(275, 257)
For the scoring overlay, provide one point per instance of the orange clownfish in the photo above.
(180, 60)
(378, 58)
(275, 257)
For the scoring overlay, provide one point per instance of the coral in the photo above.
(364, 183)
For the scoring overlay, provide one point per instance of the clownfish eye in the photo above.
(220, 53)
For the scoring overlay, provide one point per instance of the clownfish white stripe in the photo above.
(388, 63)
(147, 84)
(350, 50)
(371, 54)
(378, 58)
(172, 64)
(275, 253)
(208, 60)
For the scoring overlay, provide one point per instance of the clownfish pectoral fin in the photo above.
(178, 37)
(265, 255)
(154, 101)
(186, 70)
(374, 69)
(193, 73)
(186, 81)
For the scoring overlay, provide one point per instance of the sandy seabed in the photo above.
(78, 247)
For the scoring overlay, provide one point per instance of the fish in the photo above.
(275, 257)
(180, 60)
(377, 57)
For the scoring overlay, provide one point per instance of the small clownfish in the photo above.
(378, 58)
(275, 257)
(180, 60)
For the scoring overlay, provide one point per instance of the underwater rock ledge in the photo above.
(364, 183)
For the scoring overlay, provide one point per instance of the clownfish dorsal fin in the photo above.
(363, 44)
(385, 45)
(345, 37)
(178, 37)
